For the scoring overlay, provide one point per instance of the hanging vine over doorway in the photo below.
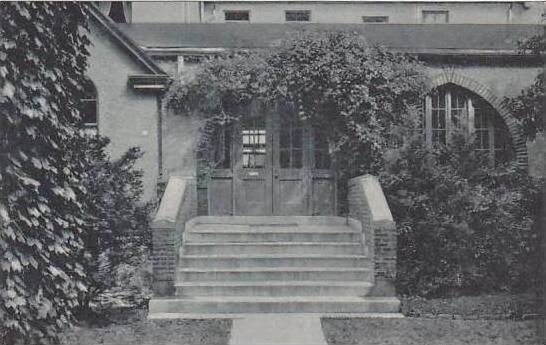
(361, 97)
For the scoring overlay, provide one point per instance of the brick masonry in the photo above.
(167, 238)
(380, 237)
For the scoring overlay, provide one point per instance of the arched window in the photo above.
(450, 107)
(89, 109)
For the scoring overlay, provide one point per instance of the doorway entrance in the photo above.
(278, 166)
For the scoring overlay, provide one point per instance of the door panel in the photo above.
(252, 184)
(277, 168)
(291, 187)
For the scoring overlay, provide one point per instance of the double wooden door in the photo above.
(278, 168)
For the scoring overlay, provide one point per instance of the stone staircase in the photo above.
(272, 265)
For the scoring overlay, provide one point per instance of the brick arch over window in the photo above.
(518, 139)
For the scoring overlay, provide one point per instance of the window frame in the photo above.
(468, 118)
(385, 21)
(226, 12)
(90, 127)
(287, 12)
(434, 12)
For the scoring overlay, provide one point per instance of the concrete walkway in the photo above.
(277, 329)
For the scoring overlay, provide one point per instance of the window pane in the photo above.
(116, 12)
(439, 136)
(375, 19)
(222, 151)
(237, 15)
(435, 17)
(297, 137)
(285, 159)
(322, 157)
(88, 112)
(284, 138)
(254, 143)
(297, 159)
(298, 16)
(482, 139)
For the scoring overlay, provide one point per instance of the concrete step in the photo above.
(274, 288)
(273, 260)
(298, 304)
(274, 273)
(324, 248)
(279, 235)
(271, 220)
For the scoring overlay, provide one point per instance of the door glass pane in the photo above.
(297, 159)
(222, 149)
(322, 156)
(285, 159)
(291, 144)
(254, 143)
(297, 137)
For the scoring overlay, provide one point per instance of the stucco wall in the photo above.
(127, 117)
(180, 139)
(400, 13)
(165, 12)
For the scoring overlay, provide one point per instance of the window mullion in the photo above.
(491, 131)
(448, 119)
(470, 118)
(428, 121)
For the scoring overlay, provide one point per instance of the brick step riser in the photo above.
(273, 262)
(232, 249)
(185, 306)
(271, 291)
(361, 276)
(270, 237)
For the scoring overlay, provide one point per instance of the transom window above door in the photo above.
(450, 108)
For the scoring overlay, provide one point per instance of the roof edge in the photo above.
(124, 40)
(509, 53)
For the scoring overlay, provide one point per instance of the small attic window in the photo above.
(297, 16)
(120, 11)
(375, 19)
(236, 16)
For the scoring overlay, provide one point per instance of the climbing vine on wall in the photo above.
(359, 94)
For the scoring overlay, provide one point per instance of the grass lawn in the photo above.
(136, 330)
(422, 331)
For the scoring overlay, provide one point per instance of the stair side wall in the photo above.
(368, 205)
(178, 205)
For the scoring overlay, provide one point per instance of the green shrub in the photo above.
(117, 239)
(464, 227)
